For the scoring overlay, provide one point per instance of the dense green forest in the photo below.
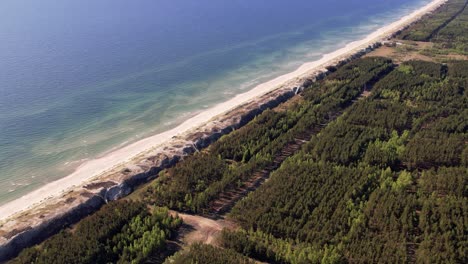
(385, 183)
(368, 165)
(120, 232)
(201, 253)
(192, 184)
(446, 28)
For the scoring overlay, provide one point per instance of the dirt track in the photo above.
(202, 229)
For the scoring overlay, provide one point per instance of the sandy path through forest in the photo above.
(202, 229)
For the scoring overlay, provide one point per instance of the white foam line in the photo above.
(111, 160)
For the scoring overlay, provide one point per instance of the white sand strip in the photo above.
(100, 166)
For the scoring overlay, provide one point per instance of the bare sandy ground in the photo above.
(203, 230)
(413, 50)
(105, 164)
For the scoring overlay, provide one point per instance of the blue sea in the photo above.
(81, 78)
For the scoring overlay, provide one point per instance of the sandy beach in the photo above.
(103, 165)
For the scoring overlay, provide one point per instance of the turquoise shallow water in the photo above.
(80, 78)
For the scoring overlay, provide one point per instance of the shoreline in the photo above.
(105, 164)
(44, 212)
(115, 160)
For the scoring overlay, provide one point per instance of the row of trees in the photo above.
(427, 28)
(201, 253)
(446, 28)
(120, 232)
(384, 183)
(267, 248)
(454, 36)
(193, 183)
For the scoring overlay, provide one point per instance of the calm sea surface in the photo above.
(81, 78)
